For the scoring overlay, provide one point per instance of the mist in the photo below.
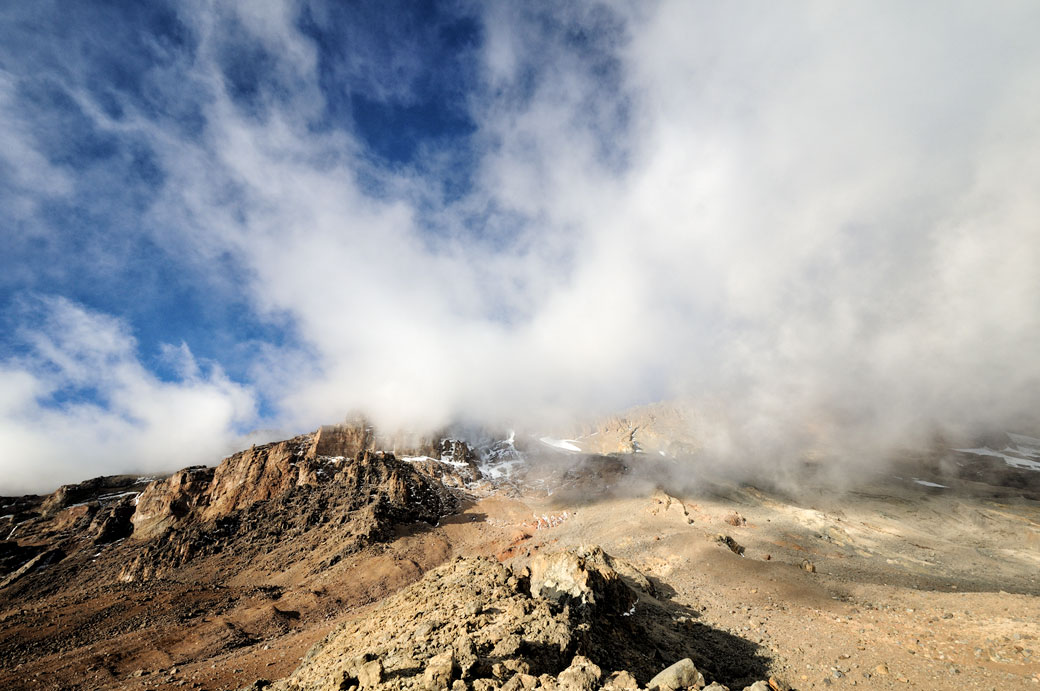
(820, 220)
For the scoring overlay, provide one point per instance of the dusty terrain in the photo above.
(233, 576)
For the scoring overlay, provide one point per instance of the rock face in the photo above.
(266, 472)
(165, 502)
(363, 498)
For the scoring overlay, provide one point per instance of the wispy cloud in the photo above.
(79, 398)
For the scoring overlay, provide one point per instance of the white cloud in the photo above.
(80, 403)
(818, 208)
(824, 216)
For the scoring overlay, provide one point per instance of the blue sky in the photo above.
(219, 218)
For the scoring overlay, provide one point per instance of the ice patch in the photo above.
(929, 484)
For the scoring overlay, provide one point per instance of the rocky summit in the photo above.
(606, 557)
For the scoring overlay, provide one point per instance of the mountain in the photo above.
(600, 556)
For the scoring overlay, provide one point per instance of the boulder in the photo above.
(582, 675)
(370, 674)
(682, 675)
(621, 680)
(439, 671)
(582, 578)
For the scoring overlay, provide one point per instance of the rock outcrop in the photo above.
(361, 499)
(476, 624)
(265, 472)
(583, 578)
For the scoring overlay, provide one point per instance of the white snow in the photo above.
(1022, 463)
(565, 444)
(1013, 461)
(1029, 446)
(928, 484)
(416, 459)
(120, 495)
(443, 459)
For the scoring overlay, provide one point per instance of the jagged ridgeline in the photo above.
(346, 479)
(353, 483)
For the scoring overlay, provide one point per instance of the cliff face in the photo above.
(335, 453)
(164, 503)
(351, 481)
(333, 478)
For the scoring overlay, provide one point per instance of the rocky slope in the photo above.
(425, 563)
(335, 479)
(565, 620)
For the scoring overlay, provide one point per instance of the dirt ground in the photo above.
(890, 586)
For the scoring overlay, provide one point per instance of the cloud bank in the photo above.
(812, 216)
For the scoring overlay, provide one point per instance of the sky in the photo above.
(221, 220)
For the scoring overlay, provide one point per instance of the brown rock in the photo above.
(735, 519)
(439, 671)
(582, 675)
(621, 680)
(370, 674)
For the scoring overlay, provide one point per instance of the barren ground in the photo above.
(912, 587)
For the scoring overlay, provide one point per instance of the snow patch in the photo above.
(1013, 461)
(565, 444)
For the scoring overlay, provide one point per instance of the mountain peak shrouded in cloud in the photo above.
(222, 217)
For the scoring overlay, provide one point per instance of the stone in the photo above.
(735, 519)
(520, 682)
(778, 684)
(370, 674)
(729, 542)
(439, 671)
(758, 686)
(716, 686)
(581, 577)
(682, 675)
(582, 675)
(465, 655)
(621, 680)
